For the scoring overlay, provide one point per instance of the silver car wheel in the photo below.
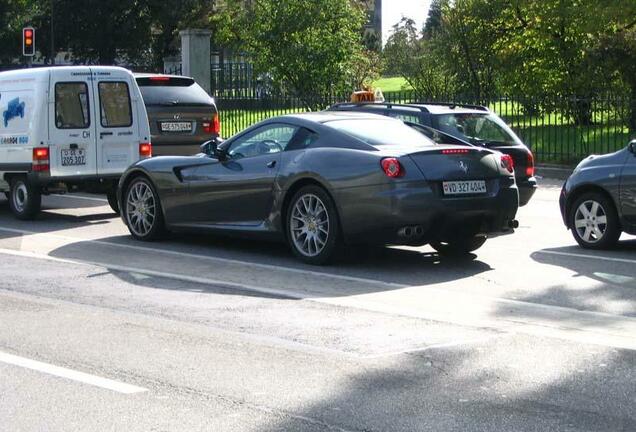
(141, 208)
(590, 221)
(20, 197)
(309, 225)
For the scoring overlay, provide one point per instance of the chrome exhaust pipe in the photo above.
(513, 223)
(419, 231)
(406, 232)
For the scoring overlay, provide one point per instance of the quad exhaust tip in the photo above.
(411, 231)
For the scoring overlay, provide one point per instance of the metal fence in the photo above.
(561, 131)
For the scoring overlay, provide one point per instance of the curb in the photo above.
(553, 171)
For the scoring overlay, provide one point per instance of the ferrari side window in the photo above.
(265, 140)
(303, 139)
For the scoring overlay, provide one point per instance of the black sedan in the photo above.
(321, 180)
(598, 201)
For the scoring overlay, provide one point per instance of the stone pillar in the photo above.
(195, 56)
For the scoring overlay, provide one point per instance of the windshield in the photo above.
(379, 132)
(477, 128)
(172, 91)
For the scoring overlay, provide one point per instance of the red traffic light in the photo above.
(28, 41)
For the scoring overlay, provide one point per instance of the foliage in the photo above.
(418, 61)
(309, 46)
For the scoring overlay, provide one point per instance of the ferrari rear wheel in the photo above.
(312, 225)
(460, 246)
(142, 210)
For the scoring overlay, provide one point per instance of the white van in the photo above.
(66, 129)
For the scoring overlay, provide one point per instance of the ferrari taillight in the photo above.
(530, 166)
(508, 163)
(392, 167)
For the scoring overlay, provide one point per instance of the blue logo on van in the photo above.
(14, 109)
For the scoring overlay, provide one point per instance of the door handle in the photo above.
(271, 164)
(103, 134)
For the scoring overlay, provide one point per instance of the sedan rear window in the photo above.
(378, 132)
(169, 91)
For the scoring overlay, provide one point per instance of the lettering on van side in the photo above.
(12, 140)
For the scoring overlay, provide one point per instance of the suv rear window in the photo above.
(168, 91)
(476, 128)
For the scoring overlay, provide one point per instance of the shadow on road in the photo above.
(496, 387)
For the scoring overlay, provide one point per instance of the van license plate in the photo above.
(72, 157)
(176, 126)
(464, 187)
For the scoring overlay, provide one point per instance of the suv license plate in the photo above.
(176, 126)
(464, 187)
(72, 157)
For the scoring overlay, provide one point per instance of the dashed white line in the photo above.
(72, 196)
(593, 257)
(70, 374)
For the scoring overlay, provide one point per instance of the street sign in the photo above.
(28, 41)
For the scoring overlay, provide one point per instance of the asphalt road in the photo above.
(203, 333)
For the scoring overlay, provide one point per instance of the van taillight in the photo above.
(41, 159)
(145, 150)
(530, 166)
(214, 127)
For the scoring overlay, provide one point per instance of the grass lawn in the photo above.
(395, 84)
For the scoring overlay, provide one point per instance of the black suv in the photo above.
(181, 114)
(468, 124)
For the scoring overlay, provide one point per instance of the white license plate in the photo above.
(464, 187)
(176, 126)
(73, 157)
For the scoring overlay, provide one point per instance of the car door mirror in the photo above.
(211, 148)
(632, 147)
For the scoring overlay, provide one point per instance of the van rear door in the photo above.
(72, 143)
(117, 120)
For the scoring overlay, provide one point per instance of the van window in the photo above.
(114, 101)
(71, 105)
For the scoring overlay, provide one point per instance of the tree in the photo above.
(309, 46)
(418, 61)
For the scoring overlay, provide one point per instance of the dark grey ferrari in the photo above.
(321, 180)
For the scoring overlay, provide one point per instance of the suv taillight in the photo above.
(530, 166)
(214, 127)
(145, 150)
(41, 159)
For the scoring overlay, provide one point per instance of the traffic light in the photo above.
(28, 41)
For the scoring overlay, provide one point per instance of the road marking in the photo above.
(73, 196)
(594, 257)
(554, 321)
(61, 372)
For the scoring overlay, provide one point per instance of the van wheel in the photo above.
(25, 199)
(112, 201)
(142, 210)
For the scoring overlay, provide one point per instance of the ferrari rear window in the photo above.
(378, 132)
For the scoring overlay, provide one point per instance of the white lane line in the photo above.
(61, 372)
(593, 257)
(208, 258)
(72, 196)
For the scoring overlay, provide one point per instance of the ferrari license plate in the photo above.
(465, 187)
(176, 126)
(73, 157)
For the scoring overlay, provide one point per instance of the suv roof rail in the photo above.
(418, 105)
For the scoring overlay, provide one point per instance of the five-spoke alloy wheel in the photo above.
(142, 210)
(312, 225)
(594, 221)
